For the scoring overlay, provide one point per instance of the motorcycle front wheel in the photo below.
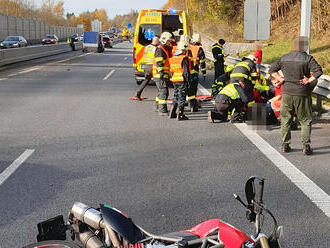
(53, 244)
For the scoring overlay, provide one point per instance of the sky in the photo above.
(113, 7)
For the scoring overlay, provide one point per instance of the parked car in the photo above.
(13, 42)
(107, 41)
(49, 39)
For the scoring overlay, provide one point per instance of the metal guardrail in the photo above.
(14, 55)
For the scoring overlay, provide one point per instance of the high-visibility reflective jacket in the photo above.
(234, 92)
(218, 53)
(242, 71)
(230, 91)
(261, 84)
(180, 68)
(149, 54)
(198, 59)
(219, 84)
(161, 65)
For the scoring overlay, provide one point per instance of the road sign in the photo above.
(256, 19)
(129, 25)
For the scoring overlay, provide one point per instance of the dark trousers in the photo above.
(193, 85)
(179, 97)
(162, 85)
(219, 69)
(146, 81)
(223, 105)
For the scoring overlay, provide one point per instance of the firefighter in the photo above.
(149, 54)
(243, 72)
(222, 81)
(161, 71)
(219, 58)
(197, 61)
(231, 97)
(180, 69)
(261, 90)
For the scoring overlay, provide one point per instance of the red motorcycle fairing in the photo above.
(229, 235)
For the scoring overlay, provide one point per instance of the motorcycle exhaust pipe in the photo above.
(93, 218)
(87, 215)
(89, 240)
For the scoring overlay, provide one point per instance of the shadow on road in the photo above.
(39, 183)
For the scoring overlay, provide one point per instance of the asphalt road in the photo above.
(91, 144)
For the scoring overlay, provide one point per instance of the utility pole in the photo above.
(187, 9)
(306, 13)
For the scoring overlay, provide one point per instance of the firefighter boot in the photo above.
(162, 110)
(156, 106)
(212, 116)
(193, 105)
(181, 115)
(173, 109)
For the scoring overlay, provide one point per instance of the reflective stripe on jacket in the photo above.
(166, 65)
(241, 71)
(176, 68)
(149, 54)
(216, 55)
(261, 84)
(230, 91)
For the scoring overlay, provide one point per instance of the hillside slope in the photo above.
(225, 19)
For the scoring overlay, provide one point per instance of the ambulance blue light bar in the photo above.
(173, 11)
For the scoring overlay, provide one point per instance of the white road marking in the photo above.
(13, 75)
(126, 58)
(29, 70)
(109, 75)
(1, 79)
(318, 196)
(307, 186)
(14, 166)
(65, 60)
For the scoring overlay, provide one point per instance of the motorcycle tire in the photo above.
(53, 244)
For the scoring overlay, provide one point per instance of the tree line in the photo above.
(232, 11)
(53, 13)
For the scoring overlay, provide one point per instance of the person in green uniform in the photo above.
(301, 72)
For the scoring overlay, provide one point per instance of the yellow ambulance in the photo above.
(151, 23)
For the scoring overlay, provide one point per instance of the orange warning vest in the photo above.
(195, 60)
(155, 70)
(176, 68)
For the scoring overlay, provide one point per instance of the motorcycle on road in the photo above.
(107, 227)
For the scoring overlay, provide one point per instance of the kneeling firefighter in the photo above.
(161, 71)
(232, 96)
(198, 61)
(180, 69)
(222, 81)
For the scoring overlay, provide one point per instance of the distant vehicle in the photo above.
(13, 42)
(93, 42)
(107, 41)
(151, 23)
(49, 39)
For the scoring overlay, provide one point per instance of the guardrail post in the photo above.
(319, 103)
